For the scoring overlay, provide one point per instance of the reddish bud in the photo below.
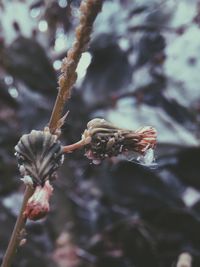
(38, 204)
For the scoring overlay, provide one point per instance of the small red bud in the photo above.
(38, 204)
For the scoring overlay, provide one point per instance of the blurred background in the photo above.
(142, 68)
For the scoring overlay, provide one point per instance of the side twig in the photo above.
(75, 146)
(19, 225)
(89, 10)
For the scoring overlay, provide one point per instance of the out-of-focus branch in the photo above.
(75, 146)
(89, 10)
(155, 27)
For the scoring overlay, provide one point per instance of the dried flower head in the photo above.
(39, 155)
(107, 140)
(38, 204)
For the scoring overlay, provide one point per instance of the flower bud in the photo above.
(107, 140)
(39, 155)
(38, 204)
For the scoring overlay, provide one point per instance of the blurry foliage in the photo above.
(144, 70)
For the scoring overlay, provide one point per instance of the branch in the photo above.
(20, 223)
(75, 146)
(89, 10)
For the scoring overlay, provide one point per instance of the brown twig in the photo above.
(19, 225)
(89, 10)
(72, 147)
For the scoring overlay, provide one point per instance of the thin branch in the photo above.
(72, 147)
(19, 225)
(89, 10)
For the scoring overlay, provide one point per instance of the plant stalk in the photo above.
(75, 146)
(19, 225)
(89, 10)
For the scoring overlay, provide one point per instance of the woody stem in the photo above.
(19, 225)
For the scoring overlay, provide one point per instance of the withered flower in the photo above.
(38, 204)
(106, 140)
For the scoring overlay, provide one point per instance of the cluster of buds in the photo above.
(39, 155)
(105, 140)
